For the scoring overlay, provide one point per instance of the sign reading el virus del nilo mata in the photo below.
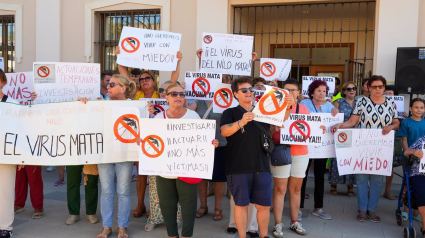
(301, 129)
(201, 85)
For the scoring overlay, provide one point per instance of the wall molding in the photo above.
(17, 8)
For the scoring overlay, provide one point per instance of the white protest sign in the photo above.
(271, 69)
(422, 163)
(223, 98)
(257, 95)
(70, 133)
(327, 148)
(302, 129)
(364, 151)
(271, 108)
(19, 86)
(2, 63)
(181, 148)
(399, 103)
(148, 49)
(307, 80)
(226, 53)
(201, 85)
(65, 82)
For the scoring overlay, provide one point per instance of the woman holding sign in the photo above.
(371, 112)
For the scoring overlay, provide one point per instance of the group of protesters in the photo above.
(240, 162)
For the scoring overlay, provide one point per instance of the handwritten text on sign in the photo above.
(201, 85)
(271, 108)
(302, 129)
(180, 148)
(327, 148)
(307, 80)
(227, 54)
(65, 82)
(19, 86)
(223, 98)
(148, 49)
(70, 133)
(271, 69)
(364, 151)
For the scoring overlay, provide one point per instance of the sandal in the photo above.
(19, 209)
(333, 189)
(122, 232)
(218, 214)
(107, 231)
(139, 212)
(200, 214)
(389, 196)
(405, 216)
(417, 218)
(373, 217)
(350, 191)
(361, 217)
(38, 213)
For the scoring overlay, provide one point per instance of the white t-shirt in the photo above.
(189, 115)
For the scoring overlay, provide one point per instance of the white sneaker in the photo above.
(300, 216)
(277, 231)
(51, 168)
(320, 213)
(298, 228)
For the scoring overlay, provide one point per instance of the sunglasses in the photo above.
(161, 90)
(245, 90)
(379, 87)
(145, 79)
(111, 85)
(351, 89)
(175, 94)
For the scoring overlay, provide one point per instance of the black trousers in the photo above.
(319, 182)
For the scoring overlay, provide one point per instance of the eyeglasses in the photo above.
(351, 89)
(379, 87)
(145, 79)
(175, 94)
(259, 86)
(245, 90)
(111, 85)
(161, 90)
(292, 90)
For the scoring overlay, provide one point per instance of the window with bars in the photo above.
(7, 42)
(110, 26)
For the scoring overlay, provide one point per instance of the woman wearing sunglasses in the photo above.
(371, 112)
(345, 105)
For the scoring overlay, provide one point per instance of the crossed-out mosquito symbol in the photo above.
(130, 122)
(279, 96)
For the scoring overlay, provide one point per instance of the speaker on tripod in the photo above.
(410, 70)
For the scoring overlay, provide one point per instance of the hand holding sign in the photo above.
(271, 107)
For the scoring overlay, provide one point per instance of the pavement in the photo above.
(342, 208)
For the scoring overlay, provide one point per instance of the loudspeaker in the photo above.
(410, 70)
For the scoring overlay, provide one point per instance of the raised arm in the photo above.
(122, 69)
(175, 74)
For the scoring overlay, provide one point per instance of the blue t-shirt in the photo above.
(325, 108)
(411, 129)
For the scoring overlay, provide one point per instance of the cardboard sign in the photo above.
(65, 82)
(399, 103)
(271, 69)
(223, 98)
(364, 151)
(179, 148)
(307, 80)
(327, 148)
(227, 54)
(160, 105)
(258, 94)
(148, 49)
(19, 87)
(201, 85)
(271, 108)
(70, 133)
(302, 129)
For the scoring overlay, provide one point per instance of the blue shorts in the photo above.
(251, 188)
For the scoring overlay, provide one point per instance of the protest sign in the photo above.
(364, 151)
(258, 94)
(65, 82)
(227, 54)
(201, 85)
(160, 105)
(223, 98)
(179, 148)
(2, 63)
(271, 108)
(327, 148)
(302, 129)
(148, 49)
(422, 163)
(19, 87)
(70, 133)
(271, 69)
(307, 80)
(399, 104)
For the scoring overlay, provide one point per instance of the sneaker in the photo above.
(300, 216)
(277, 231)
(320, 213)
(298, 228)
(72, 219)
(6, 234)
(50, 168)
(60, 182)
(252, 234)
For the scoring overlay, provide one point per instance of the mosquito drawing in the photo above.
(203, 84)
(279, 96)
(301, 126)
(155, 142)
(130, 122)
(132, 41)
(269, 66)
(157, 110)
(44, 69)
(225, 94)
(209, 38)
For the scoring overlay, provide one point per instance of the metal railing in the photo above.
(7, 42)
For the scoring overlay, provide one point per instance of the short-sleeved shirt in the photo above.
(141, 94)
(201, 109)
(299, 149)
(345, 107)
(325, 108)
(417, 145)
(411, 129)
(104, 97)
(375, 116)
(244, 152)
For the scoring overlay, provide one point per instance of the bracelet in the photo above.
(289, 108)
(240, 125)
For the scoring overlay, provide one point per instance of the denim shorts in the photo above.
(252, 187)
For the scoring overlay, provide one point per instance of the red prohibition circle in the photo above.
(342, 137)
(205, 91)
(121, 121)
(219, 95)
(131, 46)
(148, 142)
(295, 125)
(266, 71)
(208, 39)
(43, 71)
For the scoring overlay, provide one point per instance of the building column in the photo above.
(48, 30)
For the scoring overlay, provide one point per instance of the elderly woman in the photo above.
(316, 103)
(345, 105)
(247, 164)
(371, 112)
